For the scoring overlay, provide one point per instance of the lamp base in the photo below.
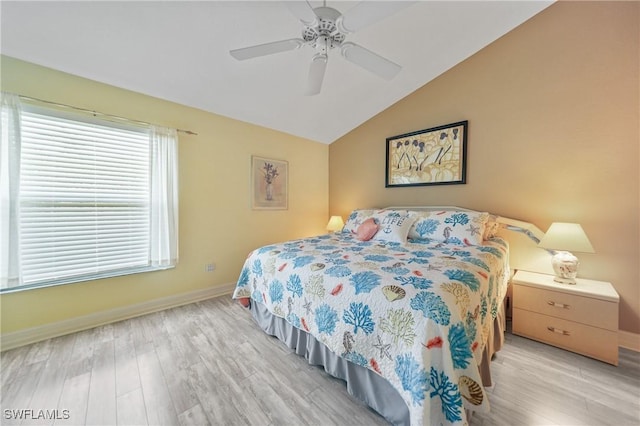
(565, 265)
(570, 281)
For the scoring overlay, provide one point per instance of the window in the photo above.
(95, 199)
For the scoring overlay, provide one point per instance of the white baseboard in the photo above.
(629, 340)
(18, 338)
(47, 331)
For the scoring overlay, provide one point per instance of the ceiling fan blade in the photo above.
(370, 61)
(266, 49)
(301, 10)
(366, 13)
(316, 74)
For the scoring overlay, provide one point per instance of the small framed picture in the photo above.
(269, 184)
(435, 156)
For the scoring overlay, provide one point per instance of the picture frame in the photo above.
(269, 184)
(435, 156)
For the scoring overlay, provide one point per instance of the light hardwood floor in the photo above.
(208, 363)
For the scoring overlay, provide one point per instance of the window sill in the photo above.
(84, 278)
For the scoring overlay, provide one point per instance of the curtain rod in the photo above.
(101, 114)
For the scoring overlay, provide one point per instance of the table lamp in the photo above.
(564, 238)
(335, 224)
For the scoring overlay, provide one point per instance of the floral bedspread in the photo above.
(417, 314)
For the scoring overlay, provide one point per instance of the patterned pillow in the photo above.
(394, 225)
(355, 219)
(453, 227)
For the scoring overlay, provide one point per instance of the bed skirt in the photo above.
(363, 384)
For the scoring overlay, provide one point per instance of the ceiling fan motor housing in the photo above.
(323, 34)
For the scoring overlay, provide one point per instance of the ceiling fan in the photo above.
(325, 28)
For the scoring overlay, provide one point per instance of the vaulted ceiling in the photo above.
(179, 51)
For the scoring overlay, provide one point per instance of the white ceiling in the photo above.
(179, 51)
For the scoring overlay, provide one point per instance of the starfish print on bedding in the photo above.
(383, 347)
(474, 230)
(307, 306)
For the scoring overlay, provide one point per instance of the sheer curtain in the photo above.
(164, 197)
(9, 187)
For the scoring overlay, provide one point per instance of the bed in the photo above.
(405, 305)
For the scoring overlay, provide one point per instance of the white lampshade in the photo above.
(565, 238)
(335, 224)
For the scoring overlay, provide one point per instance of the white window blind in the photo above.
(84, 199)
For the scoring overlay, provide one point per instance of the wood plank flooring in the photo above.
(208, 363)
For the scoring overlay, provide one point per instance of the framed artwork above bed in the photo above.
(269, 184)
(435, 156)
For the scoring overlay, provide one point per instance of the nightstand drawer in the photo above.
(585, 310)
(590, 341)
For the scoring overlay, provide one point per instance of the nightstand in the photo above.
(582, 318)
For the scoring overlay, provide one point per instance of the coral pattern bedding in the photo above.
(415, 312)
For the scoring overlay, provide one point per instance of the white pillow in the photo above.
(394, 225)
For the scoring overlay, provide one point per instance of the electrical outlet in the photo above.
(210, 267)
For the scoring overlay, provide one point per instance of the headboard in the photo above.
(523, 238)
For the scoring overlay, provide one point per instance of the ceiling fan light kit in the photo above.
(325, 28)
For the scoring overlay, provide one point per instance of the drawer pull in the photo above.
(557, 330)
(558, 305)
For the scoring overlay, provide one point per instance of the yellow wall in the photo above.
(216, 220)
(553, 110)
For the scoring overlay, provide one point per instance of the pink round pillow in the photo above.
(367, 229)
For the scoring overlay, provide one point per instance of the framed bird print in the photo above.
(435, 156)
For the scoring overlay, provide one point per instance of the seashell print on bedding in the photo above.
(470, 390)
(317, 266)
(393, 292)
